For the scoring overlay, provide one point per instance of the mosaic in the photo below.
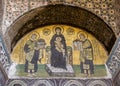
(4, 57)
(102, 8)
(113, 62)
(59, 51)
(59, 82)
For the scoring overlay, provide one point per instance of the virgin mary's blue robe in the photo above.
(58, 60)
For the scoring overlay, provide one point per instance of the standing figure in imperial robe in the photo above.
(58, 49)
(86, 55)
(32, 54)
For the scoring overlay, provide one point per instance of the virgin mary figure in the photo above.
(58, 49)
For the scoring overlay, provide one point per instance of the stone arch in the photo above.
(60, 14)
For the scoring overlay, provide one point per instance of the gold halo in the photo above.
(46, 30)
(84, 33)
(62, 30)
(34, 32)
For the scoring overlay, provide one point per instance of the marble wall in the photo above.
(3, 76)
(2, 79)
(117, 80)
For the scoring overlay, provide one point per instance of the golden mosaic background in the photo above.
(70, 34)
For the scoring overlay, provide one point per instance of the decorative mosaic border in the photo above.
(60, 82)
(113, 62)
(4, 56)
(102, 8)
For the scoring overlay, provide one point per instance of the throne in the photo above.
(60, 72)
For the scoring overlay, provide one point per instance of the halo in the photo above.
(34, 32)
(84, 33)
(62, 29)
(70, 31)
(46, 31)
